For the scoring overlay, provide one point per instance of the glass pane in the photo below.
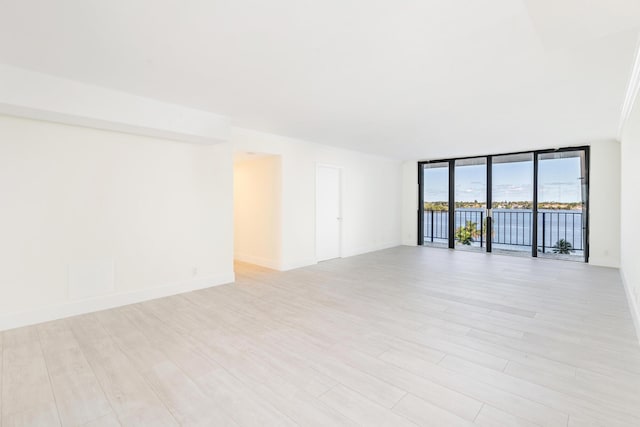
(512, 203)
(561, 204)
(470, 198)
(436, 203)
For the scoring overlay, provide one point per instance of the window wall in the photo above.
(523, 203)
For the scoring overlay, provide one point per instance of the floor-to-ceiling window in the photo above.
(470, 202)
(562, 203)
(435, 204)
(529, 203)
(512, 202)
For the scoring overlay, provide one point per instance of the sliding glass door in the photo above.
(562, 202)
(470, 203)
(531, 203)
(512, 203)
(435, 203)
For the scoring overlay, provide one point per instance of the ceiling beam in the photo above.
(41, 96)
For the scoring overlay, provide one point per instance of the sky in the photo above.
(559, 181)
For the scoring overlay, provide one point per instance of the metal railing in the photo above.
(554, 226)
(436, 225)
(510, 227)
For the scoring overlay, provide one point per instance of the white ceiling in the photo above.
(405, 78)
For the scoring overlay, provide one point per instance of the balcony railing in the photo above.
(511, 227)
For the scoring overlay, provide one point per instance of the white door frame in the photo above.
(340, 180)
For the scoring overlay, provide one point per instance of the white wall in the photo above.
(410, 203)
(158, 214)
(257, 190)
(630, 203)
(604, 203)
(160, 211)
(371, 193)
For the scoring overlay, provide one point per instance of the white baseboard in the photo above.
(345, 254)
(263, 262)
(298, 264)
(74, 308)
(604, 261)
(366, 249)
(633, 304)
(305, 262)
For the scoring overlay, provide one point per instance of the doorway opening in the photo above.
(257, 213)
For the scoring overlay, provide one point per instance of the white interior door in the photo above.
(328, 214)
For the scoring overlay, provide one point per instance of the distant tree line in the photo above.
(444, 206)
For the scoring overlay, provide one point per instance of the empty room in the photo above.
(319, 213)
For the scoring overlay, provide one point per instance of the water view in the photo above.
(511, 228)
(561, 198)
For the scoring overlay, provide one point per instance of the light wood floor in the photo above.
(406, 336)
